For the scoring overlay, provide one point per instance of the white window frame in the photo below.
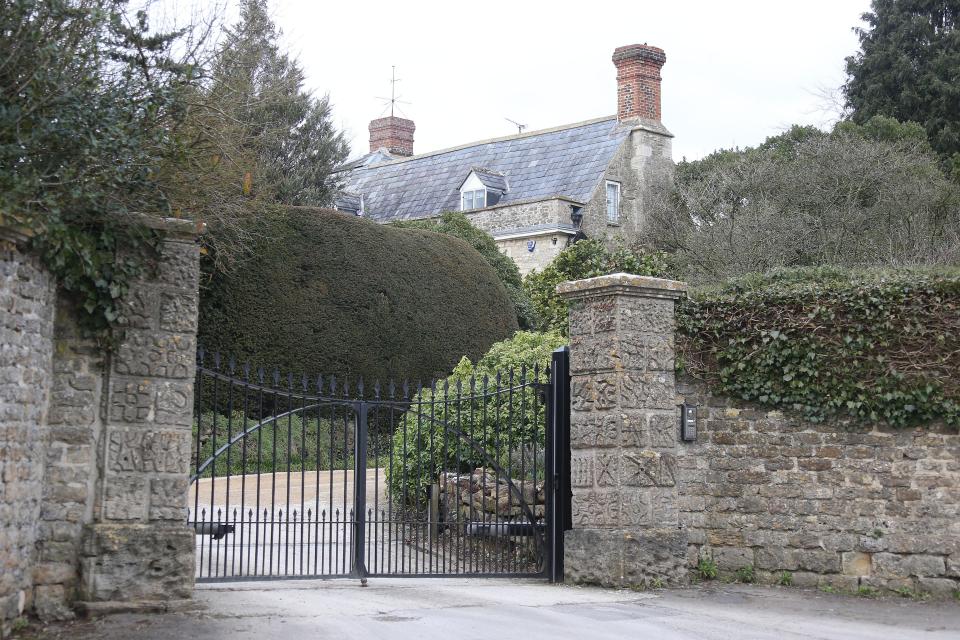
(473, 195)
(615, 208)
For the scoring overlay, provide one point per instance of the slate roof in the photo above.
(565, 161)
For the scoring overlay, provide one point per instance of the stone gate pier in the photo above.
(624, 426)
(95, 447)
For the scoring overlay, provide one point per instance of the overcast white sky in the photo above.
(736, 72)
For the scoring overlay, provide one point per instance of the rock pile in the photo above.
(482, 495)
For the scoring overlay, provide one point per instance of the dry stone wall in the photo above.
(833, 505)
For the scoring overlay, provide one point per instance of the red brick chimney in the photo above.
(638, 81)
(392, 133)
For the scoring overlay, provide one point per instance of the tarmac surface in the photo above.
(468, 609)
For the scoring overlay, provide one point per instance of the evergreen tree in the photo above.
(288, 130)
(255, 138)
(909, 69)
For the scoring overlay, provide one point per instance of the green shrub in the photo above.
(878, 346)
(328, 293)
(501, 424)
(785, 579)
(585, 259)
(454, 223)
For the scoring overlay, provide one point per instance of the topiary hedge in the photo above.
(456, 224)
(326, 292)
(882, 347)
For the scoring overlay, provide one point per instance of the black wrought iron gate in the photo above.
(315, 478)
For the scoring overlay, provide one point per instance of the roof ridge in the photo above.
(478, 143)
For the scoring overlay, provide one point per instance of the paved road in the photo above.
(504, 609)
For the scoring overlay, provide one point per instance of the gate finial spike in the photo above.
(276, 377)
(260, 374)
(303, 382)
(216, 360)
(473, 384)
(201, 353)
(406, 389)
(246, 371)
(333, 385)
(290, 380)
(392, 389)
(320, 384)
(376, 389)
(360, 388)
(232, 364)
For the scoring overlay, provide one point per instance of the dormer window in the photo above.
(476, 199)
(482, 188)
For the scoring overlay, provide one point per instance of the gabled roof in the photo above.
(568, 161)
(490, 179)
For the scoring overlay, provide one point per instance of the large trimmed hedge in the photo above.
(878, 347)
(326, 292)
(454, 223)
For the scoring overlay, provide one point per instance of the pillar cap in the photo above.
(624, 284)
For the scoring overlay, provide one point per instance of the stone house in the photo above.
(534, 192)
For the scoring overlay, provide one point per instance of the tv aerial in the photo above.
(520, 127)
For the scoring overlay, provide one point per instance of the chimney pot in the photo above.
(638, 81)
(392, 133)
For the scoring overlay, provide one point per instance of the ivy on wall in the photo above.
(880, 347)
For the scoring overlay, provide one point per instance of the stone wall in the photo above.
(517, 215)
(544, 251)
(95, 449)
(830, 504)
(836, 505)
(26, 346)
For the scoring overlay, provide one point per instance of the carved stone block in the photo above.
(647, 468)
(156, 355)
(593, 392)
(647, 391)
(594, 429)
(141, 308)
(178, 311)
(647, 315)
(139, 450)
(607, 470)
(125, 498)
(604, 310)
(581, 470)
(594, 353)
(167, 496)
(635, 509)
(179, 266)
(151, 401)
(595, 509)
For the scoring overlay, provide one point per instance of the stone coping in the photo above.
(177, 227)
(625, 284)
